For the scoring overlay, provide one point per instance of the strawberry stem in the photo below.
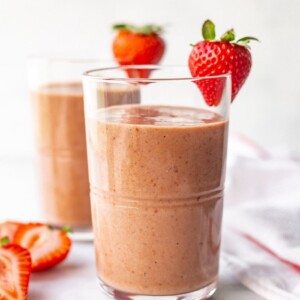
(245, 40)
(146, 29)
(208, 30)
(209, 34)
(67, 229)
(4, 241)
(228, 36)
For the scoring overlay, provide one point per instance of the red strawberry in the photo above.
(15, 267)
(138, 46)
(216, 57)
(47, 246)
(9, 229)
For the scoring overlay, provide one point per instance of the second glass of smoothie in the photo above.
(58, 112)
(156, 172)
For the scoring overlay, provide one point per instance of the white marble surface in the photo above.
(75, 279)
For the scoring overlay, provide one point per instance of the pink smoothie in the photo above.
(61, 149)
(156, 175)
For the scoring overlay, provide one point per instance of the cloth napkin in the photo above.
(261, 227)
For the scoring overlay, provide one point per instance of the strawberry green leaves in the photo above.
(209, 34)
(208, 30)
(246, 40)
(4, 241)
(67, 229)
(146, 29)
(228, 36)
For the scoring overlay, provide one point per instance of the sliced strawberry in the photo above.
(15, 268)
(47, 246)
(9, 229)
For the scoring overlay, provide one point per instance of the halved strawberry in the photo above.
(15, 268)
(47, 246)
(9, 229)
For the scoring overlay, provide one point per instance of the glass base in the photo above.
(79, 233)
(203, 293)
(82, 235)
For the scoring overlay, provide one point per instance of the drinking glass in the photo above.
(58, 112)
(156, 169)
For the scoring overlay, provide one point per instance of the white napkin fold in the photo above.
(258, 270)
(261, 239)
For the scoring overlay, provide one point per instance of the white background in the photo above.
(267, 109)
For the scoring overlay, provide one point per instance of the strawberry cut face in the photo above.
(6, 277)
(9, 229)
(15, 267)
(47, 246)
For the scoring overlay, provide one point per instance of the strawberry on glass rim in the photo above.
(15, 269)
(213, 57)
(138, 45)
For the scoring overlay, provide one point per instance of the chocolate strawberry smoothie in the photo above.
(61, 151)
(156, 175)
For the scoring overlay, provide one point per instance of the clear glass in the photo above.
(58, 112)
(156, 154)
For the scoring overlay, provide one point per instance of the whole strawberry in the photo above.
(216, 57)
(138, 46)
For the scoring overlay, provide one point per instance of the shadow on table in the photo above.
(35, 295)
(56, 272)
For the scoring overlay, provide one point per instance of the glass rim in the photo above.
(74, 60)
(89, 74)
